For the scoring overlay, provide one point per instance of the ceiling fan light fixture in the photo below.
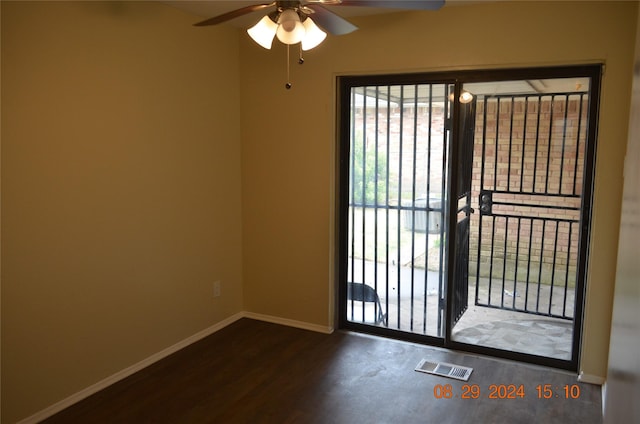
(313, 35)
(263, 32)
(290, 29)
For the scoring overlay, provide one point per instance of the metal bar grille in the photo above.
(531, 151)
(532, 176)
(461, 291)
(399, 238)
(352, 235)
(396, 189)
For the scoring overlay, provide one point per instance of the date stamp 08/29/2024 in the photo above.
(506, 391)
(492, 391)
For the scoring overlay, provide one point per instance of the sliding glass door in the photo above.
(395, 206)
(465, 203)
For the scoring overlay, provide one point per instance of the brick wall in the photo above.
(395, 140)
(532, 145)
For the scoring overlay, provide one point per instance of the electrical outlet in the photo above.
(217, 289)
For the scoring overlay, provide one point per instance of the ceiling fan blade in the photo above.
(234, 14)
(396, 4)
(329, 21)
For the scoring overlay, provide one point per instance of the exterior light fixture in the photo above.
(466, 97)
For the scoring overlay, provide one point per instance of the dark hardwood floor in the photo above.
(256, 372)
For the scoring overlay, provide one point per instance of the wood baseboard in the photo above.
(121, 375)
(591, 379)
(289, 322)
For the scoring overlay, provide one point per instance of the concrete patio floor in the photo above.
(411, 304)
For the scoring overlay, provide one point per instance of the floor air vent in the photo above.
(444, 369)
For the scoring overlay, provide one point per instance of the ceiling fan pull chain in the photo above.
(300, 59)
(288, 84)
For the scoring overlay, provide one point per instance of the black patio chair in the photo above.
(359, 292)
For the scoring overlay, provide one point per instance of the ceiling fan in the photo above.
(291, 22)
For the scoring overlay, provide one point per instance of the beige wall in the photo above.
(623, 378)
(120, 190)
(0, 217)
(122, 161)
(289, 136)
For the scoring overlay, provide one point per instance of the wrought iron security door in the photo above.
(465, 139)
(532, 166)
(530, 200)
(494, 262)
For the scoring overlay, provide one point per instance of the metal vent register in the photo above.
(444, 369)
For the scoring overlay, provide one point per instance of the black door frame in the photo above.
(345, 83)
(458, 78)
